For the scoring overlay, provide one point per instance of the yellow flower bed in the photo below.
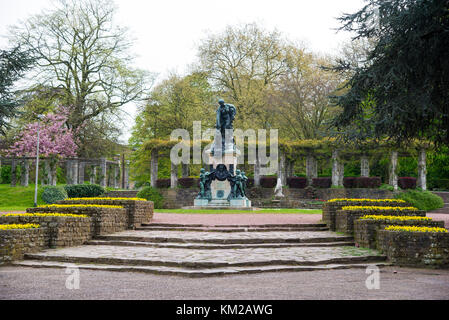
(106, 198)
(367, 200)
(368, 208)
(415, 229)
(78, 206)
(18, 226)
(396, 218)
(45, 215)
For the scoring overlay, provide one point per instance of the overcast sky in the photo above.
(168, 31)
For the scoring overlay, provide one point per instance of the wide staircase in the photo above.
(204, 250)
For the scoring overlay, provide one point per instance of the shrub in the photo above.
(152, 194)
(324, 182)
(52, 194)
(407, 182)
(349, 182)
(438, 184)
(423, 200)
(250, 183)
(163, 183)
(83, 190)
(386, 187)
(186, 182)
(367, 182)
(297, 182)
(268, 182)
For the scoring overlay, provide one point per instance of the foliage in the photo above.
(401, 91)
(386, 187)
(268, 182)
(438, 184)
(152, 194)
(163, 183)
(52, 194)
(187, 182)
(423, 200)
(84, 190)
(13, 64)
(5, 174)
(18, 226)
(407, 182)
(323, 182)
(297, 182)
(415, 229)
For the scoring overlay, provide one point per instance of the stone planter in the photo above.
(15, 243)
(365, 231)
(417, 249)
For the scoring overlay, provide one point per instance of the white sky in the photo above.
(167, 31)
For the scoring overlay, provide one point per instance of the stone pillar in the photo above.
(173, 176)
(75, 171)
(341, 173)
(126, 175)
(257, 172)
(185, 170)
(335, 169)
(364, 166)
(117, 176)
(104, 173)
(24, 179)
(281, 169)
(68, 171)
(81, 170)
(311, 168)
(13, 172)
(393, 179)
(93, 174)
(154, 167)
(46, 179)
(422, 170)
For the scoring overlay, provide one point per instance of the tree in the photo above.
(401, 92)
(13, 64)
(80, 52)
(243, 62)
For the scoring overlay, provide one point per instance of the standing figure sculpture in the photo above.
(238, 191)
(225, 118)
(205, 181)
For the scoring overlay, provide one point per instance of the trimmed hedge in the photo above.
(52, 194)
(349, 182)
(297, 182)
(268, 182)
(367, 182)
(84, 190)
(163, 183)
(152, 194)
(423, 200)
(407, 182)
(186, 182)
(442, 184)
(324, 182)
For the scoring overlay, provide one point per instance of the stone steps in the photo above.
(229, 229)
(257, 226)
(179, 271)
(179, 245)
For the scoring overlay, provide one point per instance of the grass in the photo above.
(261, 211)
(18, 198)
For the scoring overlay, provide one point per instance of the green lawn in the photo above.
(278, 211)
(18, 198)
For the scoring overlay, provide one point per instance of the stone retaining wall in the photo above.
(417, 249)
(59, 231)
(344, 219)
(365, 231)
(15, 243)
(138, 212)
(104, 220)
(330, 209)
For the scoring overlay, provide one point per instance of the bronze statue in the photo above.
(225, 118)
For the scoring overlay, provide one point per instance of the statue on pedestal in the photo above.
(205, 181)
(225, 118)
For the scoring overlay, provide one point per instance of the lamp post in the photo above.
(39, 117)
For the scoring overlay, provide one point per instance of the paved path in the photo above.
(29, 283)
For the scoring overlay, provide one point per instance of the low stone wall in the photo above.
(417, 249)
(330, 209)
(138, 212)
(365, 231)
(263, 197)
(121, 194)
(344, 219)
(59, 231)
(15, 243)
(104, 220)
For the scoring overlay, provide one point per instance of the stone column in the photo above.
(127, 175)
(116, 176)
(185, 170)
(364, 166)
(75, 171)
(68, 171)
(335, 169)
(13, 172)
(104, 173)
(24, 179)
(257, 172)
(393, 179)
(93, 174)
(422, 170)
(46, 179)
(154, 167)
(281, 169)
(81, 170)
(341, 173)
(311, 168)
(173, 176)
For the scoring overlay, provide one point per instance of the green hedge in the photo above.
(423, 200)
(84, 190)
(152, 194)
(52, 194)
